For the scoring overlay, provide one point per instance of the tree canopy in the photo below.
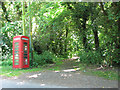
(89, 30)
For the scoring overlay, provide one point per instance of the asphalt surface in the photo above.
(6, 83)
(67, 77)
(57, 79)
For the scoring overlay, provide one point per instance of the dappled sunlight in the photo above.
(78, 60)
(9, 73)
(74, 58)
(57, 71)
(65, 75)
(42, 84)
(15, 77)
(20, 83)
(39, 74)
(34, 76)
(71, 70)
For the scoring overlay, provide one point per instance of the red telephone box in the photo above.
(20, 52)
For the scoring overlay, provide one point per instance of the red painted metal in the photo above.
(21, 52)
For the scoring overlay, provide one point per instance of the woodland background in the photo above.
(63, 30)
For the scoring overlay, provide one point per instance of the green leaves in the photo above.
(45, 58)
(8, 32)
(65, 28)
(91, 57)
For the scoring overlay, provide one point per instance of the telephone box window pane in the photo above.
(25, 57)
(16, 63)
(16, 51)
(26, 62)
(16, 54)
(16, 60)
(16, 57)
(25, 54)
(25, 51)
(16, 43)
(16, 48)
(25, 47)
(25, 42)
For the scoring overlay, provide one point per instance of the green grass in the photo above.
(9, 72)
(107, 74)
(54, 68)
(111, 75)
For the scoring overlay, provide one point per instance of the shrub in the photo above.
(90, 57)
(39, 59)
(7, 62)
(112, 56)
(44, 58)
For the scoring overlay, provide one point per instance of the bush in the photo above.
(90, 57)
(44, 58)
(112, 56)
(9, 30)
(39, 59)
(7, 62)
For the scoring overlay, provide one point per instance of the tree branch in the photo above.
(102, 7)
(5, 11)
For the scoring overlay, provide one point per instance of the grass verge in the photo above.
(9, 72)
(107, 73)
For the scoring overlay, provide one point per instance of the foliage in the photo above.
(65, 28)
(8, 32)
(44, 58)
(7, 62)
(90, 57)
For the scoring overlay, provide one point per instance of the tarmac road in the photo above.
(51, 79)
(6, 83)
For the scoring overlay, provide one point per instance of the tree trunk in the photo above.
(66, 39)
(60, 44)
(84, 35)
(96, 38)
(30, 33)
(23, 18)
(84, 40)
(102, 7)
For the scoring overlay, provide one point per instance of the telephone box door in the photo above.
(25, 53)
(16, 61)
